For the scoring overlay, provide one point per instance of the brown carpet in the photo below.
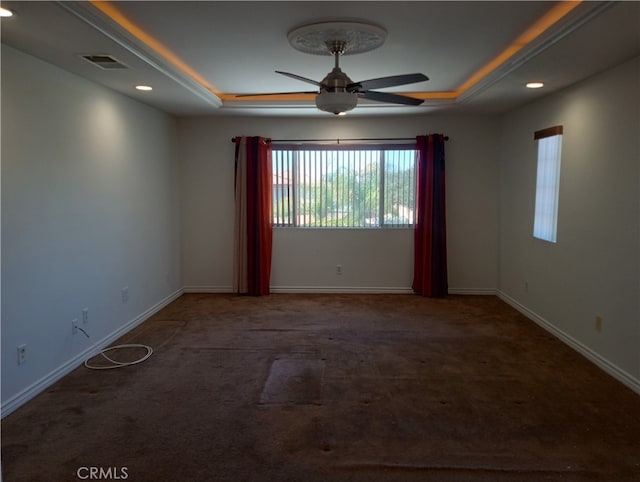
(334, 388)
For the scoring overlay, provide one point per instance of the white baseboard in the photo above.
(472, 291)
(207, 289)
(301, 289)
(606, 365)
(340, 289)
(43, 383)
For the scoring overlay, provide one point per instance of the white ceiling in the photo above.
(235, 47)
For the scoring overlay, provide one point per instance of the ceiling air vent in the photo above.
(106, 62)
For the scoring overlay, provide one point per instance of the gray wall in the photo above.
(89, 205)
(594, 267)
(304, 259)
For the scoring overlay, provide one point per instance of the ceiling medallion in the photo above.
(358, 37)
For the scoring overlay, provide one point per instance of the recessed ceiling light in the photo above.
(144, 87)
(5, 12)
(535, 85)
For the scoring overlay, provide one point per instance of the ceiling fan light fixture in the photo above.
(336, 102)
(338, 94)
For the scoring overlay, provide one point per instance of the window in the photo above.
(545, 220)
(370, 186)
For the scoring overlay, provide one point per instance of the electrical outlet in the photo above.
(85, 315)
(22, 354)
(74, 326)
(599, 322)
(338, 269)
(125, 294)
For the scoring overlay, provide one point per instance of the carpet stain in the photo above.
(294, 381)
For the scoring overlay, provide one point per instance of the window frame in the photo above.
(548, 165)
(380, 148)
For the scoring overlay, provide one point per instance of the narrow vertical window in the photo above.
(545, 220)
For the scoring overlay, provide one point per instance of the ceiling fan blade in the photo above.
(276, 93)
(391, 81)
(390, 98)
(298, 77)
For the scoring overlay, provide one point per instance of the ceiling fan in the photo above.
(337, 93)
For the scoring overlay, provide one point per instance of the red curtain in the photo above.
(253, 229)
(430, 236)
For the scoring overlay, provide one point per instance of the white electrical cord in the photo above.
(116, 363)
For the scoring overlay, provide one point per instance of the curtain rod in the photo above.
(446, 138)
